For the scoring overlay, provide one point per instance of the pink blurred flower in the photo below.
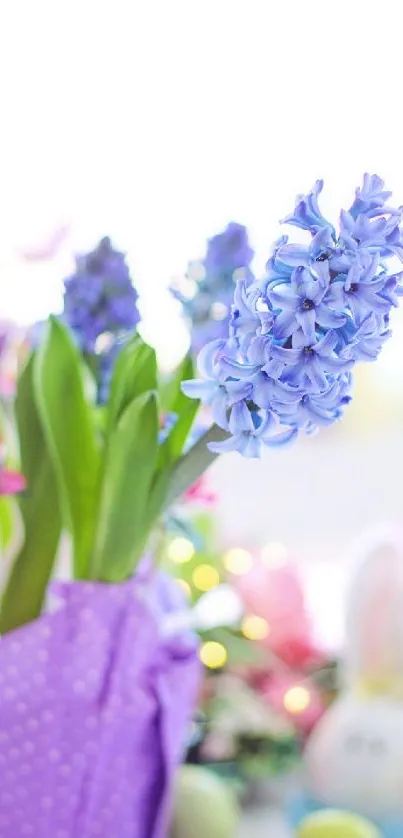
(277, 595)
(198, 493)
(298, 651)
(48, 248)
(11, 483)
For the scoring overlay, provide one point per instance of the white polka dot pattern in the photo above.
(93, 711)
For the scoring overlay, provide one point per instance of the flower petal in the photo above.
(306, 320)
(219, 408)
(281, 438)
(294, 255)
(329, 319)
(200, 388)
(232, 443)
(283, 297)
(250, 446)
(288, 356)
(234, 369)
(284, 325)
(327, 343)
(240, 419)
(208, 356)
(316, 375)
(336, 296)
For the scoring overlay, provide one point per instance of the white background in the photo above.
(158, 121)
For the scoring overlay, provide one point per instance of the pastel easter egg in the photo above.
(205, 807)
(333, 824)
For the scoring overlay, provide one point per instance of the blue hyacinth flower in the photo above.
(295, 335)
(100, 307)
(301, 305)
(307, 214)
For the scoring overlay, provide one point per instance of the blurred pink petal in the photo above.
(7, 385)
(273, 593)
(47, 249)
(277, 595)
(198, 493)
(11, 482)
(297, 651)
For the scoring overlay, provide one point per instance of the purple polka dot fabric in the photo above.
(94, 707)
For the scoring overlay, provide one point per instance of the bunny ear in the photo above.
(375, 611)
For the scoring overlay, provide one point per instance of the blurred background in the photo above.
(158, 123)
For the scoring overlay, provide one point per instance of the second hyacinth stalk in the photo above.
(206, 291)
(100, 307)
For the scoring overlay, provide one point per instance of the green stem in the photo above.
(193, 464)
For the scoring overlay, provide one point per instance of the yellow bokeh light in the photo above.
(205, 577)
(238, 561)
(275, 554)
(297, 700)
(185, 587)
(255, 628)
(213, 654)
(180, 550)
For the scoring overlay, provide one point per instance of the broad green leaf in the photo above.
(123, 525)
(135, 372)
(68, 423)
(32, 568)
(158, 492)
(7, 520)
(117, 390)
(185, 410)
(169, 387)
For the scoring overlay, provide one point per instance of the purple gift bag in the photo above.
(94, 707)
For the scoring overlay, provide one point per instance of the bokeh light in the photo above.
(181, 550)
(274, 554)
(238, 561)
(213, 654)
(255, 628)
(205, 577)
(297, 700)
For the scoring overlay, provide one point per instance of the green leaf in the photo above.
(124, 513)
(193, 464)
(185, 410)
(7, 521)
(70, 432)
(135, 372)
(158, 493)
(170, 386)
(25, 590)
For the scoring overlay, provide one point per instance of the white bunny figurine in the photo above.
(354, 757)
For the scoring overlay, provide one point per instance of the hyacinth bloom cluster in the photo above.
(294, 337)
(207, 291)
(100, 306)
